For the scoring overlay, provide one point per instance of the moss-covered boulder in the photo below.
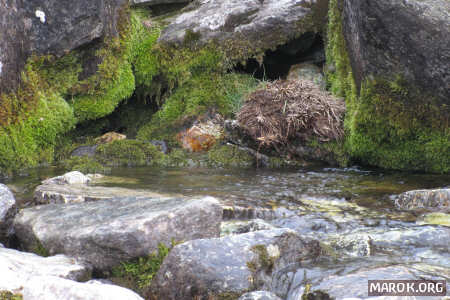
(248, 27)
(393, 72)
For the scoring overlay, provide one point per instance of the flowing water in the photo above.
(350, 211)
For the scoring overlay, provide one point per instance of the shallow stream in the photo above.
(350, 211)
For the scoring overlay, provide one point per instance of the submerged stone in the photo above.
(106, 232)
(230, 265)
(259, 295)
(435, 200)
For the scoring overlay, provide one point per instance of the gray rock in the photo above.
(307, 71)
(74, 177)
(76, 193)
(434, 200)
(162, 145)
(17, 268)
(259, 295)
(105, 232)
(389, 37)
(7, 212)
(255, 25)
(54, 288)
(157, 2)
(239, 227)
(230, 265)
(354, 285)
(50, 27)
(88, 151)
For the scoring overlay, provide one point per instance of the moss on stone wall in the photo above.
(389, 123)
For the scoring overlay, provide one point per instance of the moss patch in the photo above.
(230, 156)
(7, 295)
(138, 274)
(127, 153)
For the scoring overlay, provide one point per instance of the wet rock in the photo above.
(106, 232)
(74, 177)
(435, 200)
(311, 224)
(246, 213)
(230, 265)
(17, 268)
(307, 71)
(88, 151)
(412, 38)
(406, 243)
(252, 23)
(110, 137)
(435, 219)
(259, 295)
(72, 188)
(7, 212)
(52, 27)
(239, 227)
(354, 285)
(54, 288)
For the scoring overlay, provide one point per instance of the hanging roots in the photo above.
(292, 109)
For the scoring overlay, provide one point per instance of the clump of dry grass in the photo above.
(292, 109)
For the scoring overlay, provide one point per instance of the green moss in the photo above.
(437, 219)
(7, 295)
(127, 153)
(32, 141)
(40, 250)
(138, 274)
(201, 93)
(389, 123)
(230, 156)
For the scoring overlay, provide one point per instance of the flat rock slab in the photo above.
(434, 200)
(7, 211)
(77, 193)
(106, 232)
(17, 268)
(233, 265)
(54, 288)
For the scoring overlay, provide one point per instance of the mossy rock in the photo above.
(389, 122)
(225, 156)
(127, 153)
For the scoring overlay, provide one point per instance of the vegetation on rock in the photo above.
(389, 123)
(138, 274)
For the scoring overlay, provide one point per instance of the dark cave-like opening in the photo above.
(276, 64)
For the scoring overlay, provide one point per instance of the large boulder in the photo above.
(233, 265)
(50, 27)
(437, 200)
(390, 37)
(105, 232)
(54, 288)
(17, 268)
(247, 24)
(7, 211)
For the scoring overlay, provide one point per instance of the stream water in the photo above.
(350, 211)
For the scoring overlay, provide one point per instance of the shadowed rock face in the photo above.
(105, 232)
(409, 38)
(50, 27)
(7, 212)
